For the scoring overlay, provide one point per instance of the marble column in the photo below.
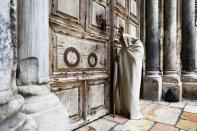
(33, 67)
(33, 35)
(171, 79)
(189, 76)
(10, 102)
(152, 81)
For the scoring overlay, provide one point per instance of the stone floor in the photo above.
(162, 116)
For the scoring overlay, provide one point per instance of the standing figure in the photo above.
(127, 77)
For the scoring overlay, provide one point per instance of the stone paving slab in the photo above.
(190, 102)
(134, 125)
(163, 127)
(159, 116)
(191, 108)
(178, 104)
(187, 125)
(117, 118)
(189, 116)
(99, 125)
(145, 103)
(147, 109)
(163, 103)
(163, 114)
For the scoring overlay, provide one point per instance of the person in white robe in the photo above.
(127, 77)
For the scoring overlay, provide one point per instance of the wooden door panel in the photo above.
(70, 94)
(96, 9)
(133, 7)
(133, 30)
(96, 96)
(73, 24)
(69, 7)
(122, 3)
(85, 48)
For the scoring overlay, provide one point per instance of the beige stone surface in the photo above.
(163, 127)
(99, 125)
(163, 103)
(53, 119)
(40, 103)
(144, 103)
(11, 108)
(158, 117)
(190, 108)
(178, 104)
(190, 102)
(189, 116)
(187, 125)
(189, 89)
(13, 123)
(164, 114)
(34, 90)
(152, 87)
(135, 125)
(117, 118)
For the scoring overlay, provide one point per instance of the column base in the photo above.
(189, 85)
(172, 81)
(152, 88)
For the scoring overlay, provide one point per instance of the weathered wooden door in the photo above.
(127, 15)
(80, 54)
(80, 58)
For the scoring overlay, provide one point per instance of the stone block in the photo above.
(190, 90)
(176, 87)
(28, 71)
(35, 90)
(29, 125)
(10, 108)
(40, 103)
(152, 88)
(172, 81)
(5, 96)
(53, 119)
(13, 123)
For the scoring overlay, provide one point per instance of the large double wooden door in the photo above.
(80, 53)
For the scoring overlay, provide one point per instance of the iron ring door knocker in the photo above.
(67, 51)
(94, 62)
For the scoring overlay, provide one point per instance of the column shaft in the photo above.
(188, 35)
(33, 34)
(171, 79)
(188, 50)
(152, 87)
(170, 31)
(152, 43)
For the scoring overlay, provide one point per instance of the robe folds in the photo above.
(127, 77)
